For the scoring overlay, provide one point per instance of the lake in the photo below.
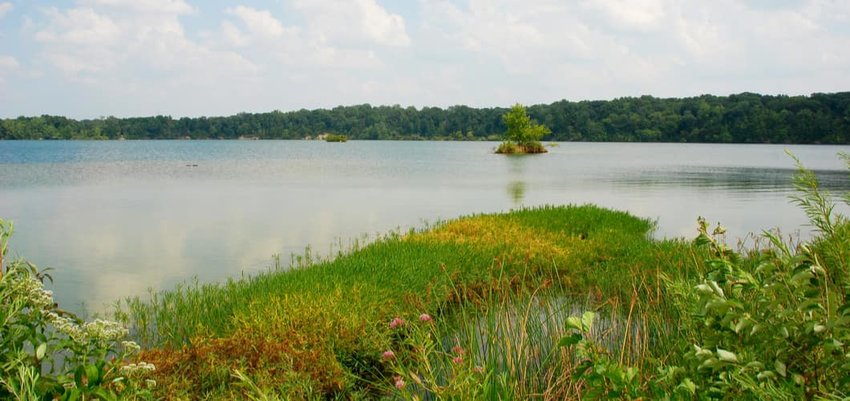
(117, 218)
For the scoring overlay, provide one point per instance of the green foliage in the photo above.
(603, 378)
(773, 323)
(46, 353)
(522, 132)
(740, 118)
(510, 148)
(424, 367)
(336, 138)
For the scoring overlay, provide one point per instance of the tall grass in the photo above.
(338, 310)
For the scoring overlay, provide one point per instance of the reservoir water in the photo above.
(117, 218)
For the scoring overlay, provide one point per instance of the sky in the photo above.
(98, 58)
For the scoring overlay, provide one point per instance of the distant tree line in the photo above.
(742, 118)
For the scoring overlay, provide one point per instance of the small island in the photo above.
(336, 138)
(523, 134)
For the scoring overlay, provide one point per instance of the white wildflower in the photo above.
(131, 346)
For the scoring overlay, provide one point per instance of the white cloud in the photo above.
(265, 40)
(8, 63)
(5, 8)
(353, 22)
(524, 38)
(632, 14)
(129, 38)
(598, 49)
(233, 35)
(79, 26)
(257, 22)
(174, 7)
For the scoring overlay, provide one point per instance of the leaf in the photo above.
(40, 351)
(810, 305)
(587, 320)
(93, 374)
(703, 289)
(79, 375)
(688, 386)
(710, 363)
(804, 275)
(574, 322)
(780, 367)
(765, 375)
(716, 288)
(73, 395)
(727, 356)
(568, 341)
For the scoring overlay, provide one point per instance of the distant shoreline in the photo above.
(742, 118)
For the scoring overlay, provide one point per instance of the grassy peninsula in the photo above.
(556, 302)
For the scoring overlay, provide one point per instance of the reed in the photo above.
(473, 266)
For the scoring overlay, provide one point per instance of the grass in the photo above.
(511, 148)
(336, 138)
(320, 330)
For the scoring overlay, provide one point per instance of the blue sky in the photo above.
(93, 58)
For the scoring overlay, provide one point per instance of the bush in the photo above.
(523, 134)
(773, 323)
(47, 353)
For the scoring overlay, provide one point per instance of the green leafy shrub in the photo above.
(771, 323)
(523, 135)
(46, 353)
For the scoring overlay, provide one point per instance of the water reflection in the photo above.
(516, 178)
(516, 189)
(746, 179)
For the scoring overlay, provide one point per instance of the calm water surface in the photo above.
(116, 218)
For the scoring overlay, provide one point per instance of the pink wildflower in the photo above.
(457, 350)
(396, 322)
(458, 359)
(388, 355)
(425, 317)
(399, 382)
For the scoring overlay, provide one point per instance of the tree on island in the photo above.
(523, 134)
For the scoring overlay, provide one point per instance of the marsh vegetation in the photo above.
(567, 302)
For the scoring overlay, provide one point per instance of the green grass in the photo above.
(327, 324)
(511, 148)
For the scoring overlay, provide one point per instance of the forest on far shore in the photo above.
(821, 118)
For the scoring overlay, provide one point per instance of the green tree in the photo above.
(523, 134)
